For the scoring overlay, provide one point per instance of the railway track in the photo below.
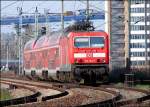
(77, 95)
(41, 92)
(80, 95)
(130, 96)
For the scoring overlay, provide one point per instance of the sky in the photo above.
(9, 8)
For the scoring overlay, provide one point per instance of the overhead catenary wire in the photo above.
(74, 7)
(22, 3)
(120, 18)
(39, 4)
(106, 23)
(9, 5)
(62, 14)
(94, 6)
(109, 22)
(104, 11)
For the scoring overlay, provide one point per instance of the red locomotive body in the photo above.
(68, 57)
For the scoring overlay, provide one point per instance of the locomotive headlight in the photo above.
(99, 54)
(79, 55)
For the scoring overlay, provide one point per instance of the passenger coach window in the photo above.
(84, 42)
(97, 42)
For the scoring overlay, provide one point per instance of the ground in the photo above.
(5, 94)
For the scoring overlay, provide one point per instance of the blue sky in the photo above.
(53, 6)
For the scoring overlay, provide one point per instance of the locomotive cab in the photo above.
(90, 56)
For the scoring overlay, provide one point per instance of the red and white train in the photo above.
(71, 56)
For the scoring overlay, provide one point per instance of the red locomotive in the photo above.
(70, 56)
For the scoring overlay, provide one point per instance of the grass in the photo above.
(5, 94)
(140, 86)
(143, 86)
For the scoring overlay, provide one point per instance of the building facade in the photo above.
(139, 33)
(128, 23)
(115, 28)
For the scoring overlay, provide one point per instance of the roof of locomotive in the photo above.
(50, 40)
(53, 37)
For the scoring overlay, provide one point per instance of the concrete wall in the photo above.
(116, 27)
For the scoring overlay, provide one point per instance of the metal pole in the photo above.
(62, 14)
(129, 37)
(7, 55)
(47, 25)
(148, 36)
(87, 9)
(22, 50)
(146, 56)
(36, 22)
(21, 47)
(20, 40)
(62, 25)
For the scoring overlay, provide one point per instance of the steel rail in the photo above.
(131, 101)
(61, 86)
(20, 100)
(115, 101)
(31, 98)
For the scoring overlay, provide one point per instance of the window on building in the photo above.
(137, 18)
(137, 54)
(137, 27)
(141, 62)
(137, 36)
(137, 1)
(134, 63)
(137, 63)
(149, 54)
(137, 45)
(148, 45)
(137, 10)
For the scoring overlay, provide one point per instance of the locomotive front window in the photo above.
(81, 42)
(84, 42)
(96, 41)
